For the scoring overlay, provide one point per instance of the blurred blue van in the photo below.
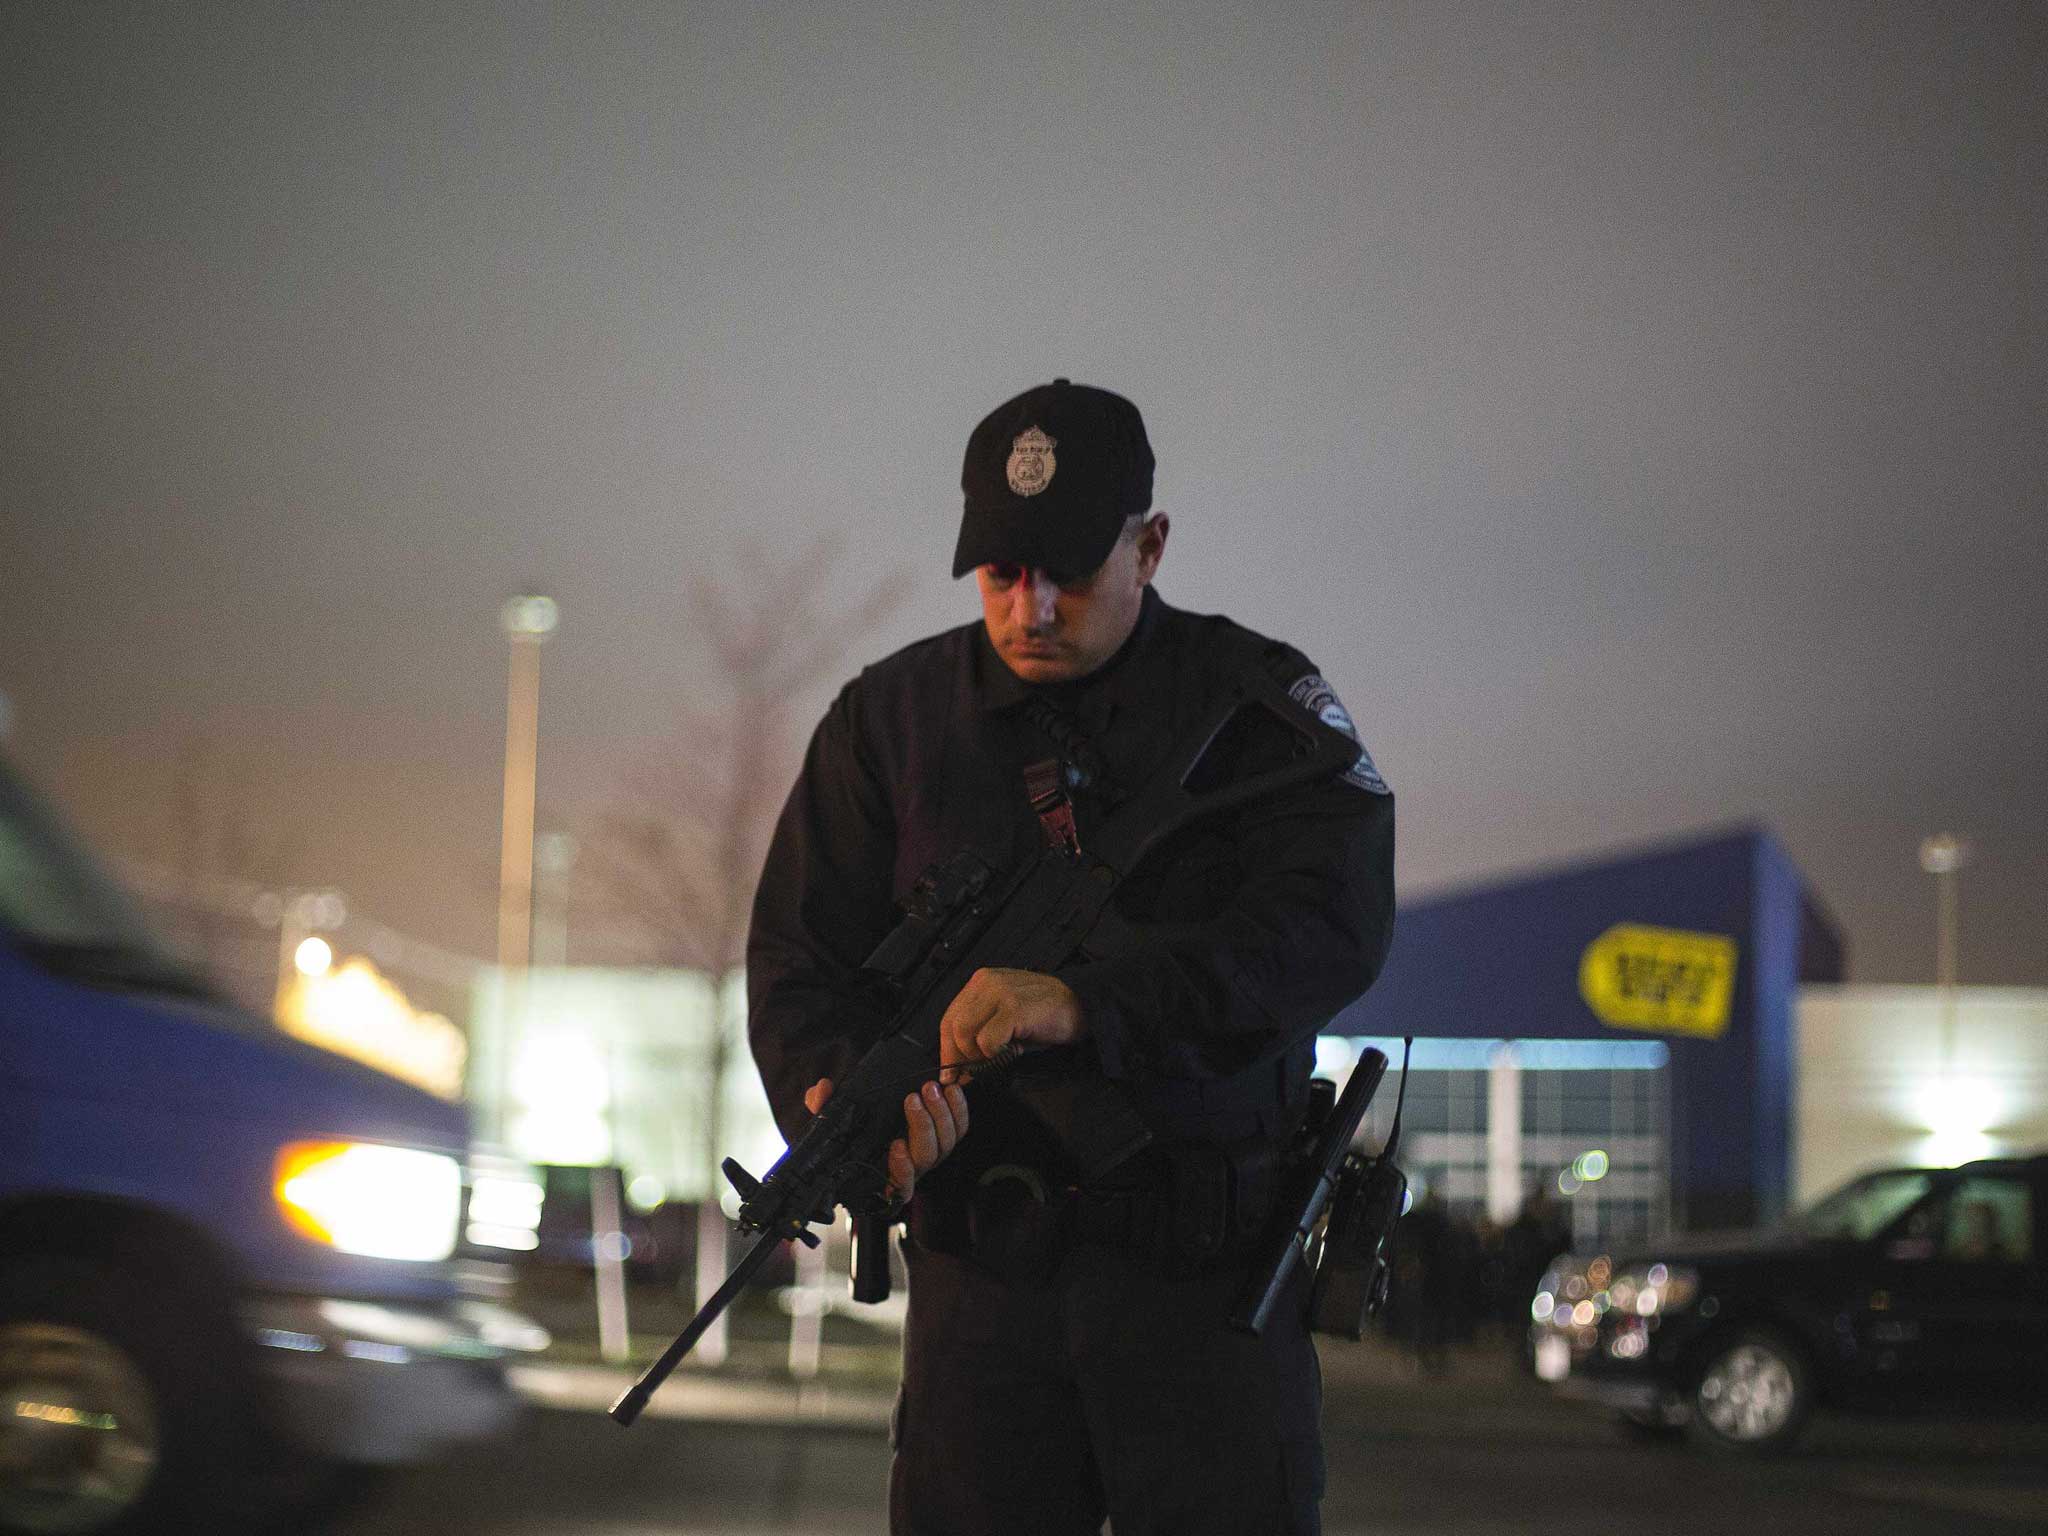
(228, 1259)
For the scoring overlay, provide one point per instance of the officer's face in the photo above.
(1050, 628)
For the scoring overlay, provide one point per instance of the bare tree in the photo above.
(221, 844)
(673, 858)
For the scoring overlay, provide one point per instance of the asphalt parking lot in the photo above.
(1478, 1447)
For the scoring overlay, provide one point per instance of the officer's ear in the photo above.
(1152, 544)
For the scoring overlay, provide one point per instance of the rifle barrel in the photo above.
(635, 1397)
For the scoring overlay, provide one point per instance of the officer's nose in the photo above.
(1033, 598)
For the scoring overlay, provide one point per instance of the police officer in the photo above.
(1067, 1353)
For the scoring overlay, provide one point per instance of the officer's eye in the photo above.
(1004, 575)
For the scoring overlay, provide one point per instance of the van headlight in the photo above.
(382, 1202)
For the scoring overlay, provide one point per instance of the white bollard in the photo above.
(608, 1258)
(808, 1305)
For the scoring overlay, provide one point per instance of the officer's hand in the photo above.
(999, 1007)
(934, 1120)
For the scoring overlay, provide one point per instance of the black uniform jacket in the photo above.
(1254, 927)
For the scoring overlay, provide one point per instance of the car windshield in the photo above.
(1861, 1209)
(59, 907)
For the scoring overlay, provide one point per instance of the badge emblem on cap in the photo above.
(1031, 463)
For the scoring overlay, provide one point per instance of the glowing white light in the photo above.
(1944, 853)
(562, 1090)
(530, 617)
(505, 1202)
(383, 1202)
(1541, 1308)
(1958, 1114)
(1334, 1056)
(484, 1235)
(1951, 1104)
(313, 957)
(1951, 1149)
(352, 1009)
(646, 1192)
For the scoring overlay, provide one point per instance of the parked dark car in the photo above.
(1907, 1289)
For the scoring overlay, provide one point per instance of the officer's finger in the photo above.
(940, 1108)
(993, 1033)
(816, 1095)
(956, 1101)
(921, 1134)
(975, 999)
(961, 1027)
(902, 1172)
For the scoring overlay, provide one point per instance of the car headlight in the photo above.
(382, 1202)
(1649, 1290)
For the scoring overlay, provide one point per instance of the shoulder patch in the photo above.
(1320, 699)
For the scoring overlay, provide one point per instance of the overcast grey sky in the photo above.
(1636, 409)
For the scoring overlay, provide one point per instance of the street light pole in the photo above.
(1942, 855)
(527, 621)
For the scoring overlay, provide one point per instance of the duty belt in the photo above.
(1211, 1206)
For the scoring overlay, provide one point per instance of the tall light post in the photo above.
(1942, 855)
(528, 621)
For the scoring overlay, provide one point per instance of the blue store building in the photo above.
(1620, 1033)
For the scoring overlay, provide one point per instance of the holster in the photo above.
(1217, 1199)
(1017, 1228)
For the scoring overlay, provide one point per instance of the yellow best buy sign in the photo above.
(1666, 979)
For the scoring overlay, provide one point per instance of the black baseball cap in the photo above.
(1049, 479)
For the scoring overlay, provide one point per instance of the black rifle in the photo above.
(962, 917)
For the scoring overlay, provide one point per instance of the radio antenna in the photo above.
(1400, 1097)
